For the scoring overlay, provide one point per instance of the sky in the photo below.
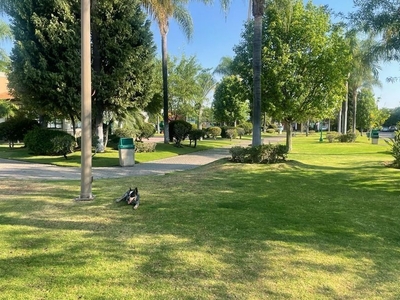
(216, 33)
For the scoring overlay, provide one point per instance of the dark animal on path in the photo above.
(131, 197)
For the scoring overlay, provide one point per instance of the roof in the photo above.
(4, 91)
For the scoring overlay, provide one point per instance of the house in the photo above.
(4, 91)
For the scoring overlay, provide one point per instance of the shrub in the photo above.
(394, 143)
(145, 147)
(125, 132)
(271, 130)
(40, 141)
(248, 127)
(214, 132)
(195, 135)
(332, 136)
(178, 134)
(349, 137)
(15, 129)
(267, 154)
(240, 131)
(146, 131)
(63, 145)
(231, 133)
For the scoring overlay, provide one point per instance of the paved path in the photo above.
(23, 170)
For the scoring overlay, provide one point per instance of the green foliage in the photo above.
(63, 145)
(15, 129)
(147, 130)
(240, 131)
(247, 126)
(214, 131)
(45, 60)
(141, 147)
(349, 137)
(125, 132)
(195, 135)
(231, 133)
(41, 141)
(264, 154)
(305, 61)
(271, 130)
(394, 143)
(230, 103)
(178, 131)
(333, 136)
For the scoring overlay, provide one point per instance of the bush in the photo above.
(145, 147)
(178, 131)
(146, 131)
(265, 154)
(240, 131)
(15, 129)
(40, 141)
(214, 132)
(348, 137)
(231, 133)
(332, 136)
(63, 145)
(271, 130)
(195, 135)
(125, 132)
(248, 127)
(394, 143)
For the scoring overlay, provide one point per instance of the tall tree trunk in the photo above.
(339, 121)
(164, 55)
(199, 123)
(354, 111)
(289, 132)
(344, 116)
(258, 11)
(345, 109)
(97, 103)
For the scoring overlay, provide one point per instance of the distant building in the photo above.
(4, 91)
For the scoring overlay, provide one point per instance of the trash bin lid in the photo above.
(126, 143)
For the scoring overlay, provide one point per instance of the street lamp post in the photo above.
(86, 104)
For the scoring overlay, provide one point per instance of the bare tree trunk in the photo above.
(339, 121)
(344, 116)
(289, 132)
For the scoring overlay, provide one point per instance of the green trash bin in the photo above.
(126, 150)
(375, 136)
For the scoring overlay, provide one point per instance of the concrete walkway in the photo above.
(25, 171)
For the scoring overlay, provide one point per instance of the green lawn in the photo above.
(325, 225)
(110, 158)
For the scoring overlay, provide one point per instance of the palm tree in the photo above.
(161, 11)
(258, 12)
(5, 34)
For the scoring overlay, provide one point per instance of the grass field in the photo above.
(324, 225)
(110, 157)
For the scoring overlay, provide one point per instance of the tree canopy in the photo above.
(45, 61)
(305, 62)
(230, 103)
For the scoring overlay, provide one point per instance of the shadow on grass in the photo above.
(240, 218)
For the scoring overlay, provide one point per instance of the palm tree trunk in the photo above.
(164, 55)
(258, 11)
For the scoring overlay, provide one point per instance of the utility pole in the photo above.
(86, 104)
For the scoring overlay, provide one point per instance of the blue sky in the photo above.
(216, 33)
